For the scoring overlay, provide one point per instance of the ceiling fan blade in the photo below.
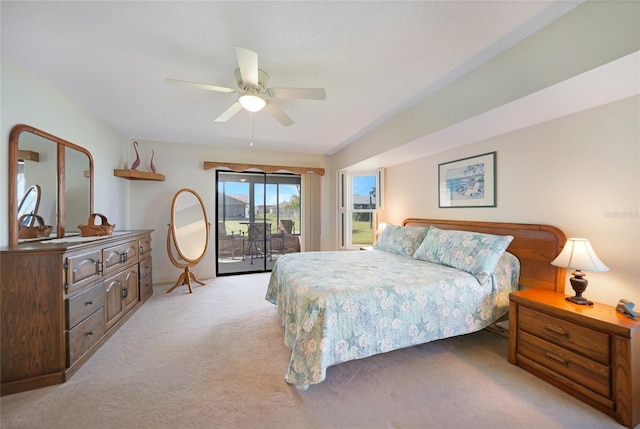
(228, 114)
(200, 85)
(277, 113)
(304, 93)
(248, 63)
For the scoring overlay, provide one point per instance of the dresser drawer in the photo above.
(145, 247)
(146, 283)
(84, 304)
(145, 267)
(82, 269)
(117, 257)
(591, 343)
(574, 366)
(86, 334)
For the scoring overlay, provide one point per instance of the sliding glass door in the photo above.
(258, 220)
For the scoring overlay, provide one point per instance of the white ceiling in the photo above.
(373, 58)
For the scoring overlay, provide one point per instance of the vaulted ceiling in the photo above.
(374, 59)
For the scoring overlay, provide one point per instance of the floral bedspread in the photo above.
(341, 306)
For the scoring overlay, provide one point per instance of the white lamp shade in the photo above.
(252, 103)
(579, 255)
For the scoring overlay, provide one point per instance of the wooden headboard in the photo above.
(534, 245)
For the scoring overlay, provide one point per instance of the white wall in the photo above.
(579, 173)
(182, 166)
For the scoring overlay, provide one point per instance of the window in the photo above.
(360, 198)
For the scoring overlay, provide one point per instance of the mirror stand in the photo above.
(187, 275)
(187, 235)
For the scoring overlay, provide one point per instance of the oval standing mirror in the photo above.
(188, 235)
(28, 206)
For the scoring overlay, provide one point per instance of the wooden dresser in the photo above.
(60, 301)
(590, 352)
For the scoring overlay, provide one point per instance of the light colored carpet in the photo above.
(216, 359)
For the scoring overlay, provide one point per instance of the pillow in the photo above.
(403, 240)
(473, 252)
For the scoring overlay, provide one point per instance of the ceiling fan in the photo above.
(253, 90)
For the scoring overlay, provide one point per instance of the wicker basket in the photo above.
(35, 231)
(93, 230)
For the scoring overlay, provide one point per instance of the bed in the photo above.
(424, 280)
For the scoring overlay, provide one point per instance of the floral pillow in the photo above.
(403, 240)
(473, 252)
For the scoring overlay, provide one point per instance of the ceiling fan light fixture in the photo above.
(252, 103)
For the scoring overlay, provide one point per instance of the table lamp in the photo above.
(579, 255)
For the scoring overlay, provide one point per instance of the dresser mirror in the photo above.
(62, 173)
(188, 234)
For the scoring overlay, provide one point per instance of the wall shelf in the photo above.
(138, 175)
(29, 155)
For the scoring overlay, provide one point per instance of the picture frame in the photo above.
(468, 182)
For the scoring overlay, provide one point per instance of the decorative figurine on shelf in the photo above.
(153, 167)
(136, 163)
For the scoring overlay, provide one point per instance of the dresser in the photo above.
(61, 300)
(590, 352)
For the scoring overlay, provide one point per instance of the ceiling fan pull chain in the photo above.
(251, 142)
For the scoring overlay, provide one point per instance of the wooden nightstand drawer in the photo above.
(578, 368)
(593, 344)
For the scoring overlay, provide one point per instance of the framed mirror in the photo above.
(62, 170)
(188, 235)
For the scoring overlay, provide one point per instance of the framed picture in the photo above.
(468, 182)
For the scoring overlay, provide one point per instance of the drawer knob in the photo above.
(90, 333)
(558, 330)
(89, 303)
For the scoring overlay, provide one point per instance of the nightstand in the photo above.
(590, 352)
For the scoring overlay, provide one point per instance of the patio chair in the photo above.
(286, 226)
(229, 242)
(259, 241)
(285, 241)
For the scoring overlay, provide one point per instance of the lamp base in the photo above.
(579, 285)
(579, 300)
